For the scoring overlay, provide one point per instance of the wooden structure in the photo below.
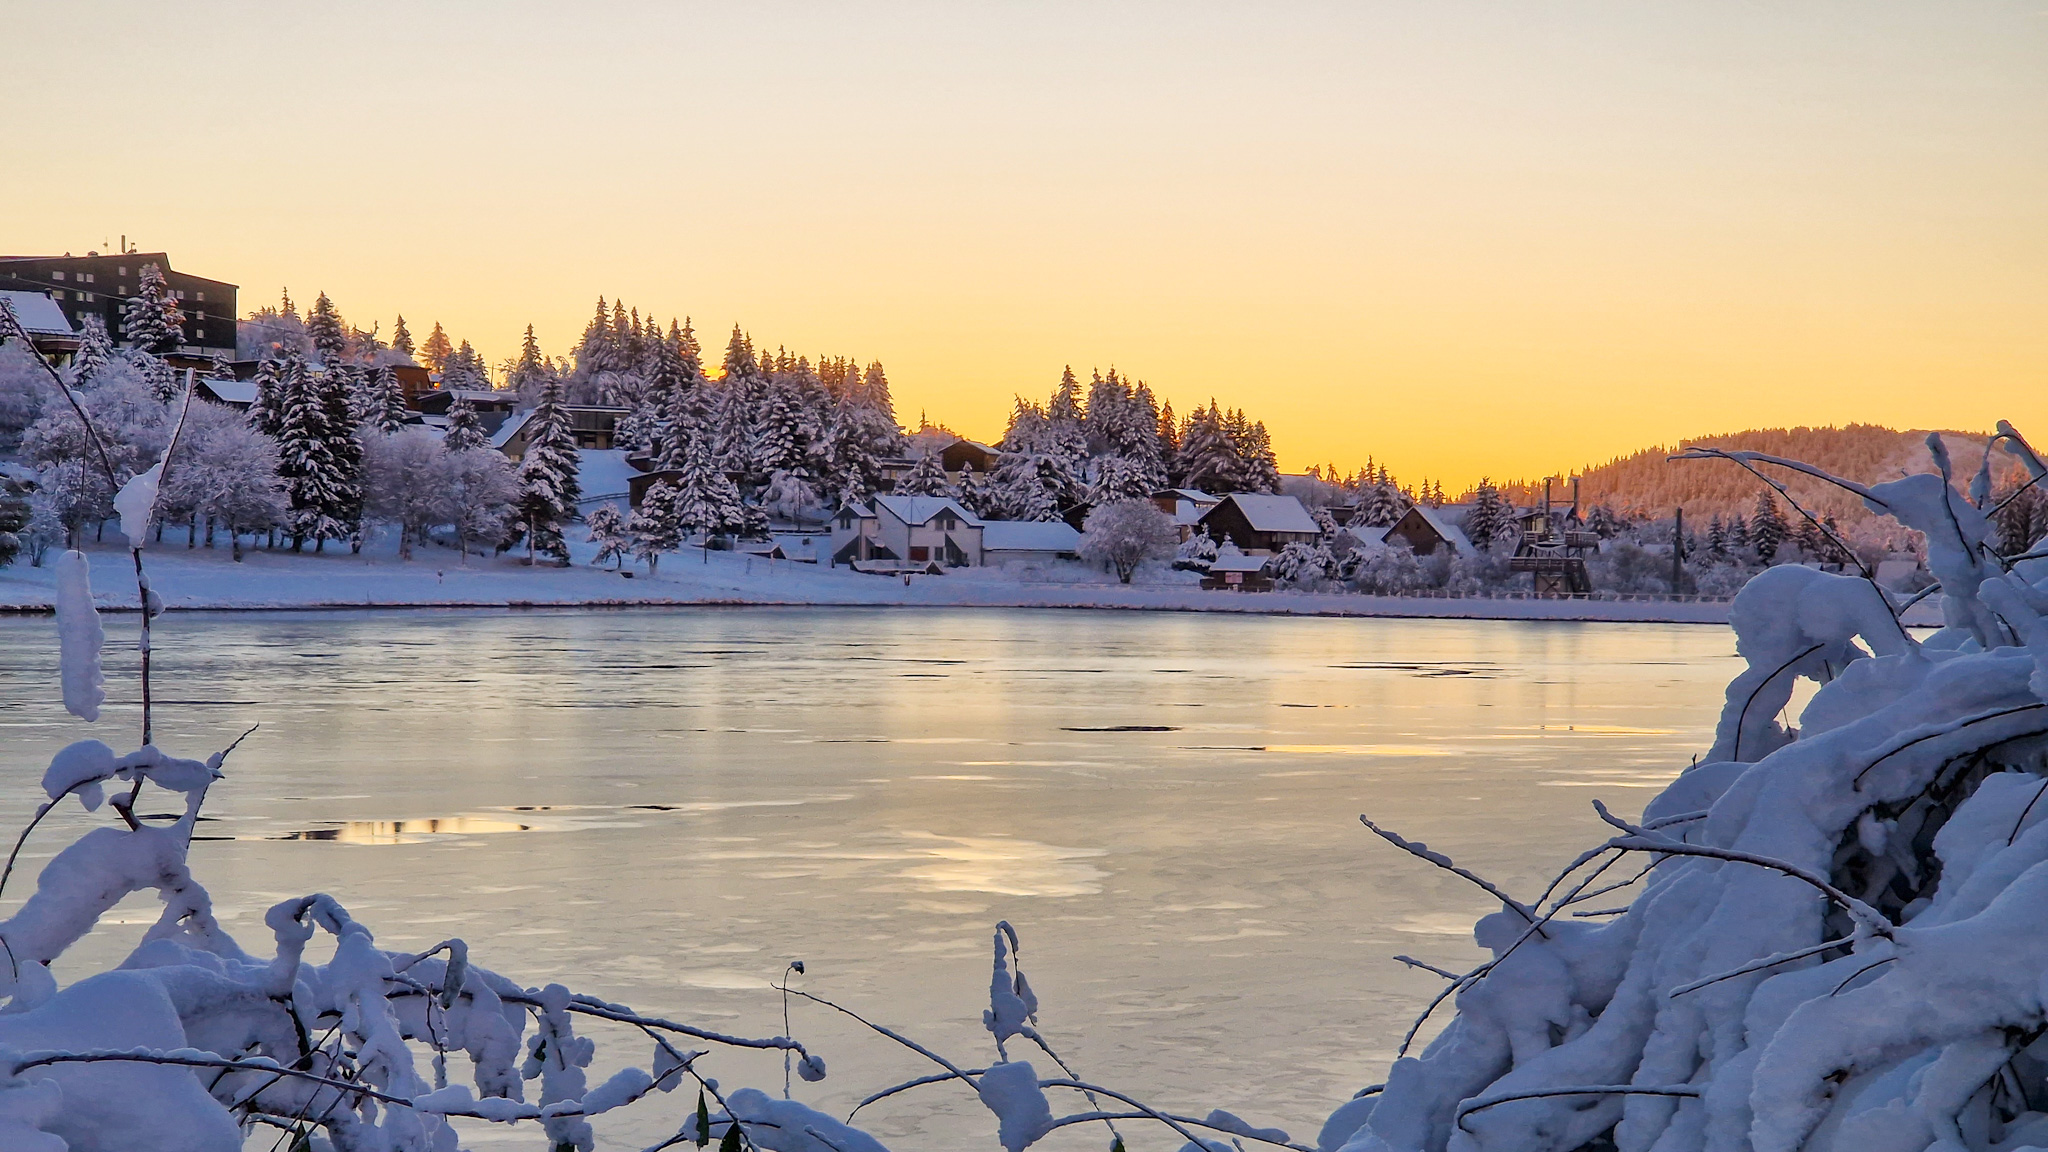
(1553, 548)
(1258, 523)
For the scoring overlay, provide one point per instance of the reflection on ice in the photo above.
(1002, 865)
(403, 831)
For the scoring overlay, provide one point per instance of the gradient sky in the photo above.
(1462, 237)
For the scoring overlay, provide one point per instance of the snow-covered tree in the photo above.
(970, 491)
(151, 320)
(548, 485)
(926, 478)
(706, 499)
(329, 335)
(482, 494)
(401, 339)
(465, 428)
(1382, 506)
(95, 350)
(386, 410)
(657, 525)
(1483, 523)
(1126, 533)
(406, 482)
(1766, 529)
(607, 529)
(1304, 565)
(319, 457)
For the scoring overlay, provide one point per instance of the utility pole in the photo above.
(1678, 554)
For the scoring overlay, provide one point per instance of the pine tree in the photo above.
(1766, 529)
(266, 411)
(218, 368)
(437, 349)
(465, 430)
(608, 530)
(159, 375)
(1169, 443)
(971, 492)
(305, 459)
(325, 329)
(152, 320)
(1717, 538)
(401, 338)
(1207, 461)
(342, 509)
(530, 371)
(387, 411)
(548, 486)
(1488, 513)
(95, 350)
(655, 527)
(706, 500)
(927, 478)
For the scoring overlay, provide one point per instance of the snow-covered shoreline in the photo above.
(196, 580)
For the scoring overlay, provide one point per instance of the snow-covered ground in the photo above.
(201, 578)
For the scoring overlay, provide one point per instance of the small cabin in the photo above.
(1259, 523)
(1239, 573)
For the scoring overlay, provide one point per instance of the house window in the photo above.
(122, 271)
(58, 275)
(919, 554)
(202, 297)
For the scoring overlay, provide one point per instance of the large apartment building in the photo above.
(96, 285)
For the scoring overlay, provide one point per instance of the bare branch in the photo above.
(1424, 852)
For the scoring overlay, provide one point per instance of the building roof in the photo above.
(920, 509)
(39, 314)
(1239, 562)
(860, 510)
(510, 428)
(1271, 513)
(1193, 495)
(1029, 536)
(802, 546)
(1435, 518)
(230, 391)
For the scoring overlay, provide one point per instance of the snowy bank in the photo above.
(198, 579)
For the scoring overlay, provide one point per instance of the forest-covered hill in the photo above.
(1650, 484)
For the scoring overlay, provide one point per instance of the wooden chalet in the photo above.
(1259, 523)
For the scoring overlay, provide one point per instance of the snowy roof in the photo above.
(1029, 536)
(801, 547)
(1366, 533)
(920, 509)
(1272, 513)
(510, 428)
(38, 313)
(1193, 495)
(1239, 563)
(231, 391)
(1436, 519)
(860, 510)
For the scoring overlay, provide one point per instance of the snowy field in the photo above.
(199, 578)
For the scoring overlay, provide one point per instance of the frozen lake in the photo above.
(663, 807)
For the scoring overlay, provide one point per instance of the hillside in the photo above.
(1649, 484)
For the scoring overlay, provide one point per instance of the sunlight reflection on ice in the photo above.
(1004, 866)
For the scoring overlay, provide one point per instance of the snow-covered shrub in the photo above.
(1389, 571)
(1479, 573)
(1195, 553)
(1303, 565)
(1838, 944)
(1627, 567)
(1125, 534)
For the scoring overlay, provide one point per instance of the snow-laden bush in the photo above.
(1125, 533)
(1841, 938)
(1389, 571)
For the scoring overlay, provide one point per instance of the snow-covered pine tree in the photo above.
(386, 411)
(163, 380)
(151, 320)
(1382, 506)
(1766, 529)
(548, 486)
(464, 368)
(1717, 538)
(607, 530)
(656, 526)
(266, 411)
(529, 371)
(706, 500)
(95, 350)
(1168, 435)
(218, 368)
(465, 430)
(328, 333)
(401, 338)
(926, 478)
(1484, 520)
(781, 439)
(971, 491)
(344, 506)
(305, 457)
(435, 351)
(1207, 461)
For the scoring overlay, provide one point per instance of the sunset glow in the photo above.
(1462, 238)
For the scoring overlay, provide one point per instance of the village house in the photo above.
(96, 285)
(49, 332)
(1424, 530)
(1028, 541)
(912, 530)
(1236, 572)
(1258, 523)
(1186, 506)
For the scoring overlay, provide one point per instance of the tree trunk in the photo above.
(236, 537)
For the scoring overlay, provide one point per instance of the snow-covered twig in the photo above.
(1760, 965)
(1424, 852)
(1477, 1103)
(1869, 920)
(1446, 973)
(1950, 730)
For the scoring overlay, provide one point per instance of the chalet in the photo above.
(1032, 541)
(1259, 523)
(96, 285)
(1185, 505)
(1424, 530)
(49, 331)
(236, 394)
(1237, 572)
(961, 453)
(921, 529)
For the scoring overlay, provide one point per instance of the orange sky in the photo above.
(1464, 238)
